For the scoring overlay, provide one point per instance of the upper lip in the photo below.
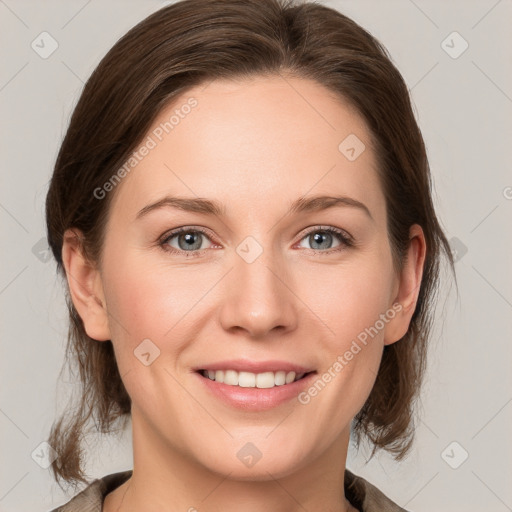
(246, 365)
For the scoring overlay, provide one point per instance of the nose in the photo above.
(259, 297)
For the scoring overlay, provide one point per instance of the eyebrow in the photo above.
(209, 207)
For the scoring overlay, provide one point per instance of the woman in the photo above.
(241, 207)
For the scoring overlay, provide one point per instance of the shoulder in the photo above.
(366, 497)
(92, 497)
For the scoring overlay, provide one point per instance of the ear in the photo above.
(408, 287)
(85, 286)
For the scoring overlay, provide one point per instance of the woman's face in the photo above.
(259, 280)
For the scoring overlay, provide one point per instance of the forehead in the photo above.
(249, 142)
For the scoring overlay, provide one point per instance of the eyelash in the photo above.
(346, 240)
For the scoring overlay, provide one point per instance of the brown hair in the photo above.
(196, 41)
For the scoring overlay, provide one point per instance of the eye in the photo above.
(188, 241)
(321, 239)
(184, 240)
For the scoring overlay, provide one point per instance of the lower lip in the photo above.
(256, 399)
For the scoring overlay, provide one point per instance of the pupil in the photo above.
(319, 236)
(190, 240)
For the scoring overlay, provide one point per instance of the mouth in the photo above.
(252, 385)
(263, 380)
(254, 392)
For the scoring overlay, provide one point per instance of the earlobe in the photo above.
(85, 287)
(409, 286)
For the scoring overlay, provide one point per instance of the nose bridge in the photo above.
(257, 298)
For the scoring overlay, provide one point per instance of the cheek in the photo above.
(148, 307)
(143, 305)
(349, 299)
(150, 298)
(354, 303)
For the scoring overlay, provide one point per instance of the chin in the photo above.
(248, 463)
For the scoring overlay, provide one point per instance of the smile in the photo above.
(252, 380)
(255, 392)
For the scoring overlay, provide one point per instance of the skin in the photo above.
(255, 146)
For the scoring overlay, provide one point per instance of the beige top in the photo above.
(360, 493)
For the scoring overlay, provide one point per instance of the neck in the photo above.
(167, 479)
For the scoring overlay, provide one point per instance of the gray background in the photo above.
(464, 108)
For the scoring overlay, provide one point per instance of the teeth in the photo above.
(252, 380)
(230, 377)
(248, 380)
(280, 378)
